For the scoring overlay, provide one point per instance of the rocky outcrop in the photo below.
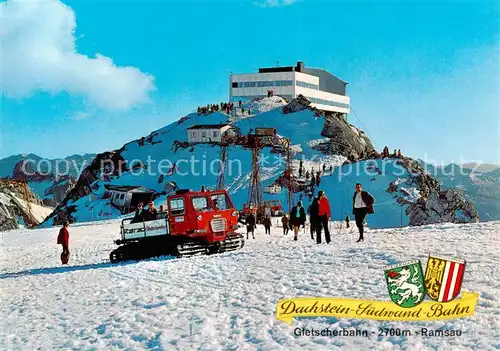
(56, 188)
(431, 204)
(443, 206)
(56, 193)
(13, 208)
(345, 139)
(104, 167)
(24, 170)
(298, 104)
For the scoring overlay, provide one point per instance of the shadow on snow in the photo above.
(64, 269)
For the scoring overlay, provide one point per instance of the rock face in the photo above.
(13, 208)
(104, 167)
(344, 138)
(431, 205)
(55, 189)
(298, 104)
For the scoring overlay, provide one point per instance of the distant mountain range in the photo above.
(481, 187)
(481, 167)
(49, 179)
(76, 163)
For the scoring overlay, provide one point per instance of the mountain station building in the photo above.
(324, 90)
(209, 133)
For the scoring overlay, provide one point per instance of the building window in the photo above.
(204, 134)
(263, 83)
(216, 134)
(306, 85)
(122, 196)
(328, 102)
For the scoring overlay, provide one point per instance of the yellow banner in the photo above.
(288, 309)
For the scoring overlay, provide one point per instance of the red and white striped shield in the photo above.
(443, 278)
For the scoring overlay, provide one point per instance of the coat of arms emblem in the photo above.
(443, 278)
(405, 282)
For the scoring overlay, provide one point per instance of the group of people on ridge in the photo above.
(385, 153)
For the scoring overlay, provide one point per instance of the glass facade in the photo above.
(264, 83)
(327, 102)
(306, 85)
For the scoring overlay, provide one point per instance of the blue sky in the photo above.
(423, 77)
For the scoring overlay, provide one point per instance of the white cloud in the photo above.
(39, 54)
(275, 3)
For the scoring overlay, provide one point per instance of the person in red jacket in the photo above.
(324, 215)
(63, 239)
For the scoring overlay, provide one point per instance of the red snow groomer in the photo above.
(203, 222)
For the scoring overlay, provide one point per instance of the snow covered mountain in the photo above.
(50, 179)
(404, 193)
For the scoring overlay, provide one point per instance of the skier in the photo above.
(362, 204)
(307, 175)
(250, 223)
(267, 224)
(63, 239)
(286, 224)
(347, 220)
(297, 218)
(399, 153)
(324, 215)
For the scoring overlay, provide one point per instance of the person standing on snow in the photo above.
(362, 204)
(324, 215)
(267, 224)
(297, 218)
(63, 239)
(313, 216)
(286, 224)
(250, 223)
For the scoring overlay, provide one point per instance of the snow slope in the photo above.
(228, 301)
(197, 165)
